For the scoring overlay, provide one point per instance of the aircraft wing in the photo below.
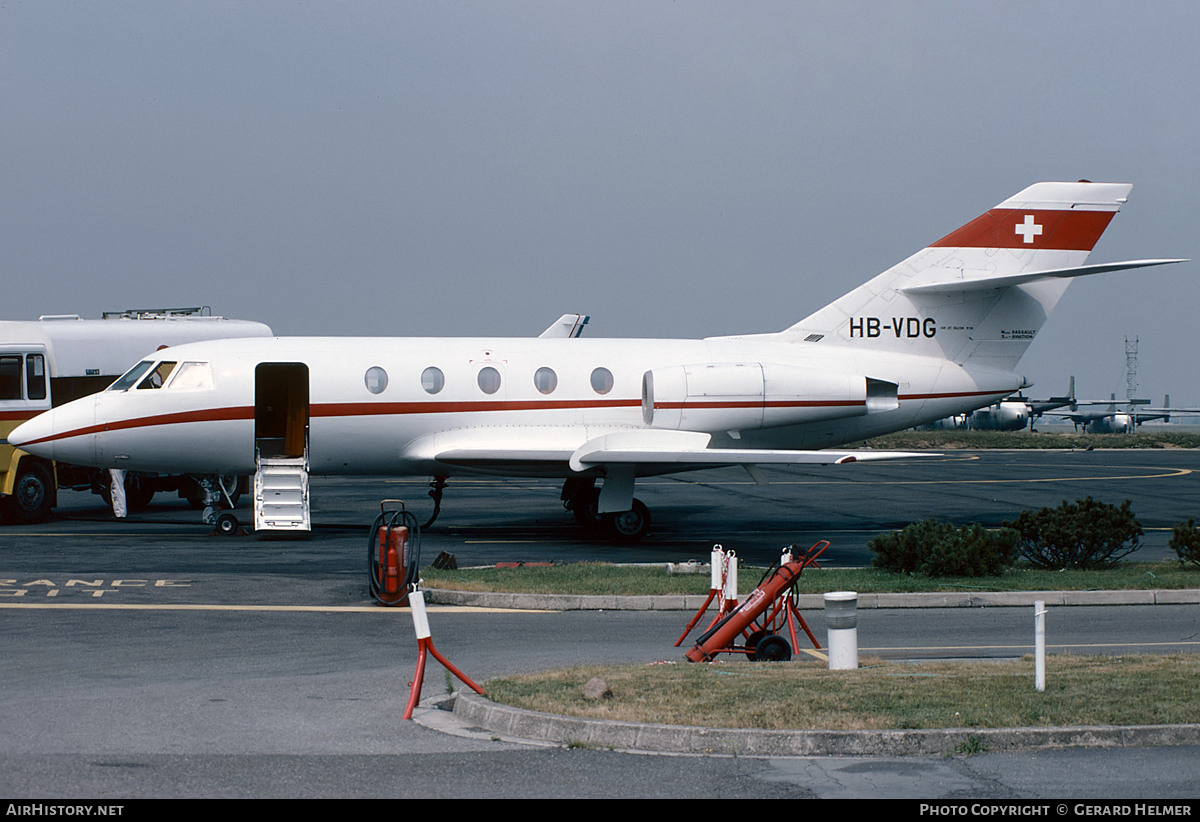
(640, 447)
(651, 447)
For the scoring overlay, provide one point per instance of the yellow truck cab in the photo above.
(61, 357)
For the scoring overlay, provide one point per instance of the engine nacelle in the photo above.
(714, 397)
(1009, 415)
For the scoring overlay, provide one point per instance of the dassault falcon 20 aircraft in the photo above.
(939, 334)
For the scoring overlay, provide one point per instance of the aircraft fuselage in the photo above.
(374, 406)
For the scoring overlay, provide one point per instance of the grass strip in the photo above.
(804, 695)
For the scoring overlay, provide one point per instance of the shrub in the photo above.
(1185, 541)
(939, 549)
(1084, 534)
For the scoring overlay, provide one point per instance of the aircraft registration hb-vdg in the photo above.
(938, 334)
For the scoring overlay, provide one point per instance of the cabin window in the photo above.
(433, 380)
(489, 380)
(192, 376)
(10, 377)
(545, 380)
(131, 376)
(35, 377)
(157, 377)
(602, 381)
(376, 379)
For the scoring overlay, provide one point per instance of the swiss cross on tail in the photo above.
(1028, 229)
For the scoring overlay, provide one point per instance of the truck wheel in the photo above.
(32, 492)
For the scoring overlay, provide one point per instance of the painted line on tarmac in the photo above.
(331, 609)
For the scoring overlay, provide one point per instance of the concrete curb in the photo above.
(811, 602)
(507, 721)
(544, 728)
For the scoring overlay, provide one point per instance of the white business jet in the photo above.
(939, 334)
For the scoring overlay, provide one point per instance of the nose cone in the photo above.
(66, 434)
(34, 435)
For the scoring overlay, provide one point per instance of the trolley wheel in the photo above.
(752, 643)
(631, 525)
(773, 648)
(227, 524)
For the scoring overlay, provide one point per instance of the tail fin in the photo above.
(980, 293)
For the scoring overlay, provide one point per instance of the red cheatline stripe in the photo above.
(389, 409)
(205, 415)
(761, 404)
(1061, 230)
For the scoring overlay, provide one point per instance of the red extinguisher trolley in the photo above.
(393, 553)
(761, 621)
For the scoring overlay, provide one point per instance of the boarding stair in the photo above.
(281, 494)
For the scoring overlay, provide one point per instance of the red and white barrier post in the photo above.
(416, 601)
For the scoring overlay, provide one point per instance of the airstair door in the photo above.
(281, 447)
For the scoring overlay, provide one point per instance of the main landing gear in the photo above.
(582, 497)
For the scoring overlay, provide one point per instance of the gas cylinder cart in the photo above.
(760, 621)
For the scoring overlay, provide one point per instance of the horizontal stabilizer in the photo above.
(967, 282)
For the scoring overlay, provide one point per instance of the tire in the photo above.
(631, 525)
(773, 648)
(32, 493)
(752, 644)
(227, 525)
(583, 506)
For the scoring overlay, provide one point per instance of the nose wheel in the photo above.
(227, 525)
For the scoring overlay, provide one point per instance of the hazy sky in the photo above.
(678, 169)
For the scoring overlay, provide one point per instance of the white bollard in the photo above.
(1039, 645)
(841, 625)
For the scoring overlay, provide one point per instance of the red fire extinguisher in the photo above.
(393, 554)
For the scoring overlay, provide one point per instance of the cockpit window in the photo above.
(157, 377)
(131, 376)
(192, 376)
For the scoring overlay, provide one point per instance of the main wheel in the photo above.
(630, 525)
(583, 506)
(30, 500)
